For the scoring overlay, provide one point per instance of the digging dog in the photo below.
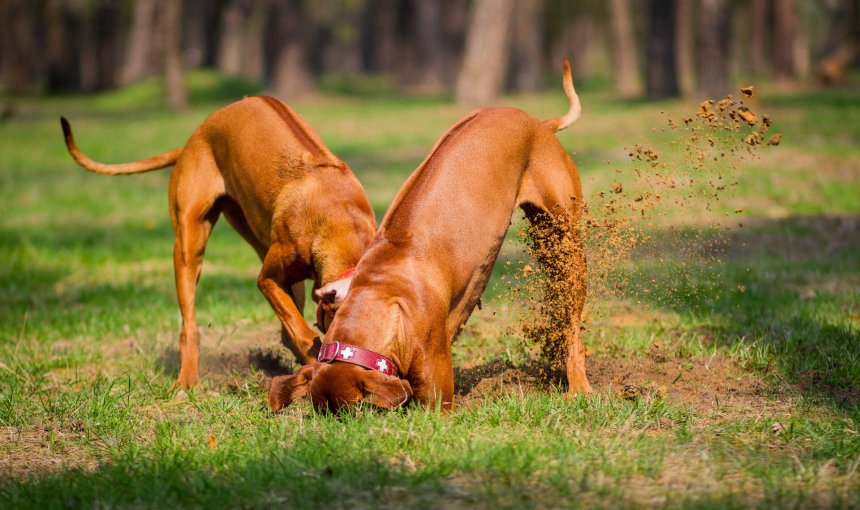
(260, 165)
(429, 262)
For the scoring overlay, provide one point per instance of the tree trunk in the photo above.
(840, 45)
(20, 55)
(684, 44)
(140, 56)
(196, 21)
(455, 20)
(62, 46)
(482, 73)
(106, 31)
(662, 77)
(713, 55)
(527, 46)
(626, 61)
(177, 96)
(759, 37)
(431, 50)
(785, 26)
(800, 47)
(230, 52)
(253, 31)
(291, 77)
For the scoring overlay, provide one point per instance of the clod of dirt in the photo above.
(747, 91)
(76, 425)
(753, 139)
(725, 103)
(630, 392)
(775, 139)
(617, 187)
(705, 111)
(747, 115)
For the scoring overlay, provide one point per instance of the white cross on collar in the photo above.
(382, 365)
(347, 353)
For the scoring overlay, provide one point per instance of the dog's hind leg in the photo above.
(551, 197)
(195, 186)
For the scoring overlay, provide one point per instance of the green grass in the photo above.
(746, 365)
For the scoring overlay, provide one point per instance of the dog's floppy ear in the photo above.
(383, 390)
(286, 388)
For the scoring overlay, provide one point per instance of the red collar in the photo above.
(345, 274)
(339, 351)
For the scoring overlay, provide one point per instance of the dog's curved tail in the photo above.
(575, 109)
(169, 158)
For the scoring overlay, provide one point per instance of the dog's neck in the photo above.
(337, 247)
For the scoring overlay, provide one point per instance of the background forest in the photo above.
(473, 50)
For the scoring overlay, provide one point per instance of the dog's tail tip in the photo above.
(575, 107)
(67, 128)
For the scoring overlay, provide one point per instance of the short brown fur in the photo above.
(431, 259)
(300, 207)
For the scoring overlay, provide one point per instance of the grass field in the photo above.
(719, 383)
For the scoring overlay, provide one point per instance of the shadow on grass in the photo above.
(785, 299)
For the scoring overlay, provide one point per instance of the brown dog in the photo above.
(429, 262)
(299, 206)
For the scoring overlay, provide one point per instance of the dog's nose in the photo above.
(327, 296)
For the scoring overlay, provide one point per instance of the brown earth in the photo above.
(26, 451)
(714, 386)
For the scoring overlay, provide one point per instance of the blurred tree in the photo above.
(195, 21)
(527, 46)
(230, 47)
(759, 37)
(662, 79)
(63, 41)
(684, 45)
(242, 32)
(575, 30)
(785, 28)
(841, 41)
(292, 32)
(625, 59)
(105, 38)
(431, 47)
(378, 39)
(140, 56)
(170, 26)
(713, 48)
(485, 61)
(455, 20)
(20, 53)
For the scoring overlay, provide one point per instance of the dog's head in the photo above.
(334, 386)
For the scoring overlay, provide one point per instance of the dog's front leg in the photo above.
(273, 283)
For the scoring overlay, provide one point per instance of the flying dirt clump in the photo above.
(690, 173)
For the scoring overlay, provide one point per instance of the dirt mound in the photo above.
(34, 450)
(714, 386)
